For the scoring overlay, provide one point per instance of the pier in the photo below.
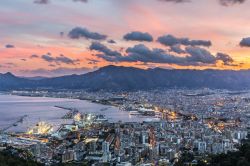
(69, 115)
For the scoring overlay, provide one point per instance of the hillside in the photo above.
(129, 78)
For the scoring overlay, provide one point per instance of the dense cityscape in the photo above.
(201, 122)
(124, 83)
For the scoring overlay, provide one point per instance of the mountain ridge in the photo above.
(118, 78)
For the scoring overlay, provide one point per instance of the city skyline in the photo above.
(125, 82)
(53, 37)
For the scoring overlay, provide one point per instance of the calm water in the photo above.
(42, 109)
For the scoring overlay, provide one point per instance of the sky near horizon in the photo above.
(60, 37)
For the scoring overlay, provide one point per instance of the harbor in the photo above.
(52, 111)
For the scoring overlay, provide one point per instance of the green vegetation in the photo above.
(238, 158)
(14, 157)
(9, 160)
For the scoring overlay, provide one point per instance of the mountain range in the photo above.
(117, 78)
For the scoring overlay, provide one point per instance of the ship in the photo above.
(101, 118)
(134, 113)
(147, 112)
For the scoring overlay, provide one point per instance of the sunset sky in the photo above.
(59, 37)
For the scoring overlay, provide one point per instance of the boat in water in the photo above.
(101, 118)
(134, 113)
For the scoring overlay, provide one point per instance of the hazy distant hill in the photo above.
(9, 81)
(129, 78)
(35, 78)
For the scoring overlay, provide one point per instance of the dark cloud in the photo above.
(205, 43)
(141, 53)
(66, 60)
(175, 1)
(48, 58)
(177, 49)
(194, 56)
(41, 1)
(138, 36)
(9, 46)
(61, 34)
(80, 0)
(52, 65)
(107, 53)
(79, 32)
(170, 40)
(93, 61)
(47, 1)
(34, 56)
(198, 54)
(245, 42)
(222, 2)
(111, 41)
(59, 59)
(226, 59)
(230, 2)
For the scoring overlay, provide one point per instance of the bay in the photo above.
(43, 109)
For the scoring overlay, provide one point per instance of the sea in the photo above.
(36, 109)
